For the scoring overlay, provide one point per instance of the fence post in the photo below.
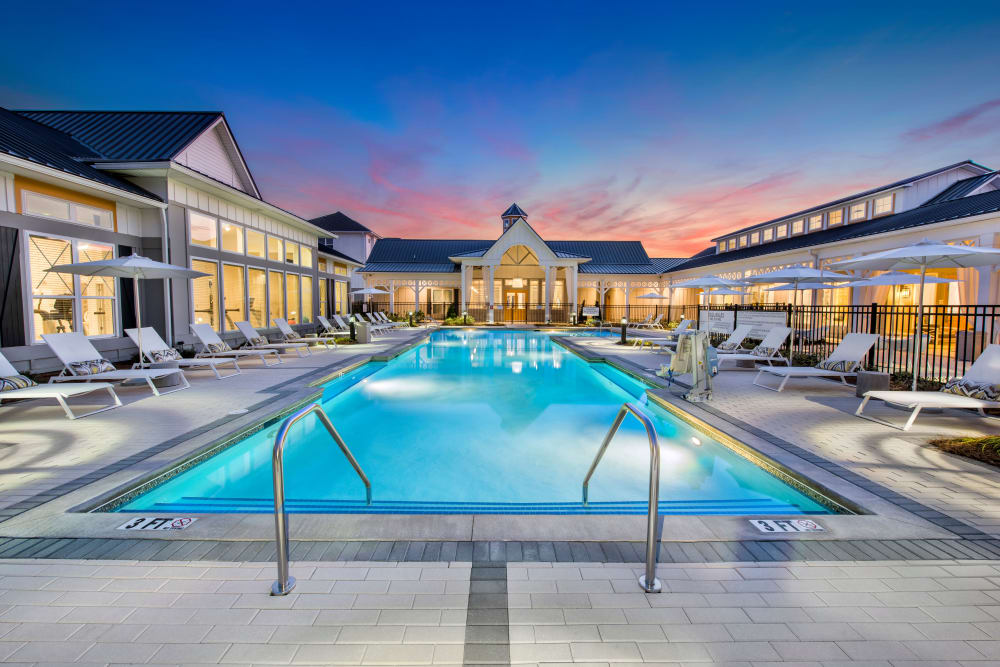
(872, 328)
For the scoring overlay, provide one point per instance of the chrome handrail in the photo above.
(647, 581)
(285, 583)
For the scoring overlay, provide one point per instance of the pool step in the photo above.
(739, 506)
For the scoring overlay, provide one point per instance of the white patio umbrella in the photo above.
(797, 277)
(132, 266)
(367, 292)
(709, 283)
(923, 255)
(652, 295)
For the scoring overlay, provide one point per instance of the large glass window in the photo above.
(743, 241)
(859, 211)
(816, 223)
(307, 299)
(883, 205)
(292, 300)
(754, 238)
(232, 238)
(324, 308)
(781, 231)
(204, 230)
(291, 253)
(797, 227)
(834, 218)
(768, 234)
(276, 295)
(41, 205)
(275, 249)
(341, 305)
(232, 295)
(721, 246)
(257, 297)
(205, 293)
(256, 246)
(340, 269)
(62, 302)
(306, 256)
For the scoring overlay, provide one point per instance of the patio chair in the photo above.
(978, 389)
(734, 344)
(639, 325)
(156, 351)
(329, 329)
(214, 347)
(654, 324)
(390, 323)
(842, 363)
(769, 349)
(257, 342)
(14, 386)
(83, 363)
(345, 326)
(375, 326)
(292, 336)
(669, 339)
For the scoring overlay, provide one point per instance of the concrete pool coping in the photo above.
(60, 516)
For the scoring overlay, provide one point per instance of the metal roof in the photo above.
(28, 140)
(426, 251)
(962, 188)
(666, 263)
(856, 195)
(411, 267)
(988, 202)
(129, 136)
(514, 209)
(324, 246)
(604, 252)
(338, 222)
(646, 269)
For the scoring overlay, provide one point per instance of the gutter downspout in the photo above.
(167, 283)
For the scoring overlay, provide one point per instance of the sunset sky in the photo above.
(665, 122)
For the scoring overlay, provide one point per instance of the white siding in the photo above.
(210, 156)
(926, 188)
(7, 192)
(129, 219)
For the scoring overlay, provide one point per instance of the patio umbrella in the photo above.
(923, 255)
(796, 278)
(652, 295)
(709, 283)
(132, 266)
(367, 292)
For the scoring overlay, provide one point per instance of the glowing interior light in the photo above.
(516, 366)
(696, 442)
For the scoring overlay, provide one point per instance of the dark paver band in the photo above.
(487, 629)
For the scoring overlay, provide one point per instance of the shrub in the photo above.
(803, 359)
(903, 380)
(986, 449)
(459, 321)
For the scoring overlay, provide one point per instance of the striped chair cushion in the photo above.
(842, 366)
(292, 335)
(761, 351)
(91, 367)
(15, 382)
(258, 340)
(169, 354)
(221, 346)
(984, 391)
(728, 346)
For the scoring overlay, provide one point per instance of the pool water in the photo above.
(479, 421)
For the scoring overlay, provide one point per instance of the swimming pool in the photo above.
(480, 421)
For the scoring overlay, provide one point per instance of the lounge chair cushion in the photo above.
(221, 346)
(727, 346)
(258, 340)
(761, 351)
(292, 335)
(91, 367)
(840, 366)
(983, 391)
(169, 354)
(16, 382)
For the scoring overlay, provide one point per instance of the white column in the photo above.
(488, 286)
(464, 290)
(392, 296)
(548, 293)
(416, 295)
(985, 274)
(628, 289)
(571, 279)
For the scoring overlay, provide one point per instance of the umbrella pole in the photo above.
(138, 315)
(795, 308)
(920, 327)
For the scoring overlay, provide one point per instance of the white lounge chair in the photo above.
(639, 325)
(984, 372)
(842, 363)
(214, 347)
(344, 324)
(734, 344)
(83, 363)
(769, 349)
(329, 329)
(14, 386)
(376, 327)
(390, 323)
(669, 337)
(654, 324)
(257, 342)
(292, 336)
(156, 351)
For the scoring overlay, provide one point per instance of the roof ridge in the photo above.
(156, 111)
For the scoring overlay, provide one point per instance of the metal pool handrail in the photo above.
(647, 581)
(285, 583)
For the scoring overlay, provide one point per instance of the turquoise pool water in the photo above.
(482, 422)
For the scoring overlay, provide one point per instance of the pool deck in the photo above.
(915, 583)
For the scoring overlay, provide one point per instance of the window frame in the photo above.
(281, 252)
(70, 207)
(284, 306)
(288, 246)
(892, 205)
(829, 218)
(781, 231)
(767, 235)
(267, 295)
(801, 222)
(312, 298)
(242, 233)
(303, 248)
(755, 238)
(864, 212)
(222, 293)
(815, 223)
(190, 237)
(218, 287)
(77, 297)
(246, 243)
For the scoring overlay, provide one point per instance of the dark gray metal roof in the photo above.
(426, 251)
(324, 246)
(964, 207)
(604, 252)
(514, 209)
(856, 195)
(28, 140)
(338, 222)
(961, 188)
(139, 136)
(411, 267)
(666, 263)
(645, 269)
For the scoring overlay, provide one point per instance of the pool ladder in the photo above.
(648, 581)
(285, 582)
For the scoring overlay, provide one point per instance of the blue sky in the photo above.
(660, 121)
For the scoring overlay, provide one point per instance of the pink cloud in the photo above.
(962, 123)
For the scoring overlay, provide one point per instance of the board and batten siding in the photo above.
(923, 190)
(209, 155)
(7, 201)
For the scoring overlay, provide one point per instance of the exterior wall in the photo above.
(357, 245)
(210, 155)
(925, 188)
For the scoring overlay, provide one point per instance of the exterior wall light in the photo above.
(624, 324)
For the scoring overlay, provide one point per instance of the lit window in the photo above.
(781, 231)
(815, 223)
(292, 292)
(732, 243)
(743, 241)
(342, 304)
(797, 227)
(721, 246)
(232, 238)
(307, 299)
(256, 246)
(204, 230)
(291, 253)
(768, 234)
(257, 297)
(755, 238)
(205, 293)
(45, 206)
(883, 205)
(834, 218)
(340, 269)
(306, 256)
(324, 308)
(276, 295)
(62, 302)
(275, 249)
(232, 295)
(859, 211)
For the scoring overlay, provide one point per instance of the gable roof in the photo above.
(857, 195)
(326, 247)
(28, 140)
(964, 207)
(514, 209)
(962, 188)
(339, 222)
